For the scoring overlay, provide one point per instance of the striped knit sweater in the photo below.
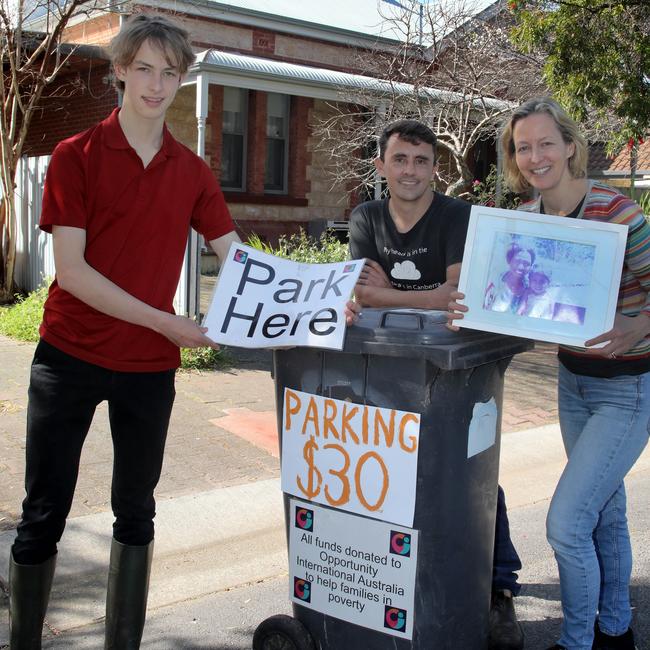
(604, 203)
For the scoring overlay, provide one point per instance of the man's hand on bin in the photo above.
(373, 275)
(456, 310)
(351, 311)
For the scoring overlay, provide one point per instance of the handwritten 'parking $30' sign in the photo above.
(350, 456)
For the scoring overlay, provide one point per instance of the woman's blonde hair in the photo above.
(570, 134)
(171, 39)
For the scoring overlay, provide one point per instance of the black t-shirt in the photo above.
(417, 259)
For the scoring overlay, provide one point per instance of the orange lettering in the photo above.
(364, 425)
(389, 431)
(342, 476)
(328, 419)
(409, 417)
(345, 423)
(357, 480)
(290, 396)
(311, 416)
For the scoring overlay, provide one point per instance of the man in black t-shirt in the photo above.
(415, 259)
(413, 243)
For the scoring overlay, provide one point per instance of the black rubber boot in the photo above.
(29, 592)
(604, 641)
(126, 599)
(505, 631)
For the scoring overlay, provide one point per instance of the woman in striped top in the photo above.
(603, 393)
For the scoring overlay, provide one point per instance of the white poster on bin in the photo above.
(353, 568)
(355, 457)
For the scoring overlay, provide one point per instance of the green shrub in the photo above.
(22, 319)
(255, 241)
(485, 192)
(301, 247)
(205, 358)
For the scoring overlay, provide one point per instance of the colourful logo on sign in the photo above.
(395, 618)
(240, 256)
(348, 268)
(302, 589)
(304, 519)
(400, 543)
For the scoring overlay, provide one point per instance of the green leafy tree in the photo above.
(597, 59)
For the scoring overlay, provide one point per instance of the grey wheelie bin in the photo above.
(406, 360)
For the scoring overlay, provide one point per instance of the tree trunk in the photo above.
(9, 230)
(465, 176)
(634, 159)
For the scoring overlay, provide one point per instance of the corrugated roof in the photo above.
(314, 82)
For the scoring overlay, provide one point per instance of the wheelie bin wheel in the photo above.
(282, 632)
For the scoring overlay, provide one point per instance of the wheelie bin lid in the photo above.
(421, 333)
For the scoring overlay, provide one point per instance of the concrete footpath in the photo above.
(220, 558)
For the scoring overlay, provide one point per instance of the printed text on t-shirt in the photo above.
(414, 251)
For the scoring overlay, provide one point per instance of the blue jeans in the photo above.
(604, 426)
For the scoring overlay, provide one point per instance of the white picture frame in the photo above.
(571, 286)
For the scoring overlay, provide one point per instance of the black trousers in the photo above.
(506, 560)
(63, 395)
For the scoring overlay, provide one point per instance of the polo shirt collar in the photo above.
(170, 147)
(115, 139)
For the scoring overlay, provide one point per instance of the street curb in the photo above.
(218, 540)
(205, 543)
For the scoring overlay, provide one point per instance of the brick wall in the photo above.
(299, 155)
(309, 197)
(181, 117)
(208, 32)
(213, 139)
(326, 201)
(256, 144)
(77, 101)
(97, 31)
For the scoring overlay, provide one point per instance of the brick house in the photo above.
(248, 105)
(260, 83)
(617, 170)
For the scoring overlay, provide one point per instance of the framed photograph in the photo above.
(540, 276)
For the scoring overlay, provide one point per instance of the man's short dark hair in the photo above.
(410, 130)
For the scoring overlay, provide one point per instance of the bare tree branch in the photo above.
(462, 81)
(33, 57)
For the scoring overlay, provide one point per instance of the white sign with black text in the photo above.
(353, 568)
(265, 301)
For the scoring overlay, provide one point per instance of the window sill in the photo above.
(264, 199)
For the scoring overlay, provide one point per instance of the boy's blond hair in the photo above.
(171, 39)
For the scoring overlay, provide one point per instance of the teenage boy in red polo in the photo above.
(119, 201)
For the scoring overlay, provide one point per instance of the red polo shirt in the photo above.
(137, 222)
